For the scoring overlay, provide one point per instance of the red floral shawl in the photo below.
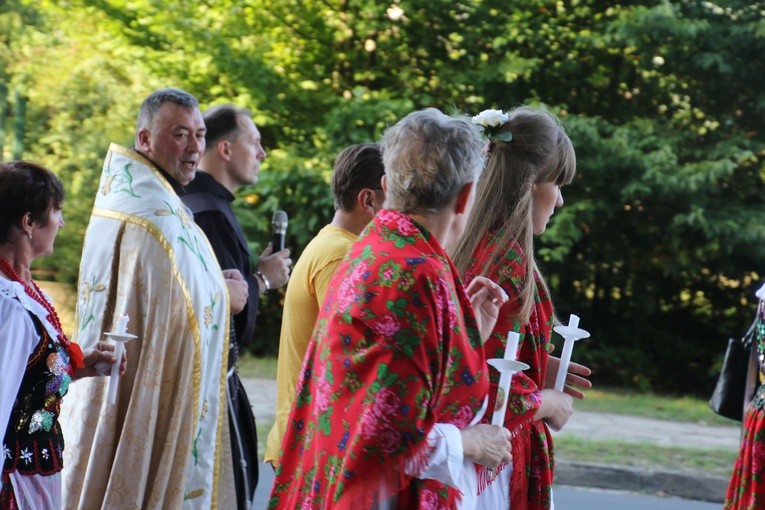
(395, 350)
(532, 476)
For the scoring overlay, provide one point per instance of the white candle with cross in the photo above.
(570, 333)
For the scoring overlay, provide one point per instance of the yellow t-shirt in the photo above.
(305, 294)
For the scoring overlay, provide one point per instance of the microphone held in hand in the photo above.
(279, 222)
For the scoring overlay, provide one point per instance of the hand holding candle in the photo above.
(570, 334)
(120, 336)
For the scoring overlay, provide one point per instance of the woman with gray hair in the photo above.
(394, 377)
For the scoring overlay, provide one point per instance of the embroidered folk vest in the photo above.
(33, 441)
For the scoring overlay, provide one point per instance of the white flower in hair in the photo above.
(490, 122)
(491, 118)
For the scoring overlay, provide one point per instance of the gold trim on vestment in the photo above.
(134, 154)
(223, 404)
(191, 315)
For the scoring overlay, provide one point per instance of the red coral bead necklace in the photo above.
(35, 293)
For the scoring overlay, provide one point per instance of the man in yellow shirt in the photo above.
(358, 194)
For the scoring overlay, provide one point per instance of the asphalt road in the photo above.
(566, 498)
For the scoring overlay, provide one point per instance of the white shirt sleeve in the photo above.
(18, 338)
(445, 461)
(447, 464)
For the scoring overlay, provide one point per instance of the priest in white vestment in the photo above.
(161, 445)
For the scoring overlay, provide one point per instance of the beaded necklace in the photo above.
(75, 353)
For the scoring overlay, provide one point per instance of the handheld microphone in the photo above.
(279, 222)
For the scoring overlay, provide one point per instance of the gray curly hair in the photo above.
(429, 156)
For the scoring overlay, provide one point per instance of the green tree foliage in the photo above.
(665, 222)
(660, 245)
(83, 86)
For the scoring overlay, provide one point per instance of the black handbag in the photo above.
(728, 397)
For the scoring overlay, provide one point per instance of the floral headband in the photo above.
(490, 122)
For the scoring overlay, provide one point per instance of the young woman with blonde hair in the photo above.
(529, 157)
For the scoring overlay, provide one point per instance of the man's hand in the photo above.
(237, 289)
(275, 266)
(232, 274)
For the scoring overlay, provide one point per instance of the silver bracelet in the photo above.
(265, 281)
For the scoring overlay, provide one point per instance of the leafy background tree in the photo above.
(661, 242)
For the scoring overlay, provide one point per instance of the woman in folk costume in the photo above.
(529, 158)
(37, 361)
(746, 490)
(394, 377)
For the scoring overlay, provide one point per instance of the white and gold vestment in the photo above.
(159, 446)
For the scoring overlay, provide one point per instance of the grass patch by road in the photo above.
(251, 367)
(645, 456)
(649, 405)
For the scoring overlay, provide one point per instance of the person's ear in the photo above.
(224, 149)
(366, 200)
(384, 184)
(463, 198)
(26, 225)
(143, 140)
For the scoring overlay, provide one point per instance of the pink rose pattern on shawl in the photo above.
(429, 500)
(387, 326)
(377, 413)
(323, 391)
(464, 417)
(348, 292)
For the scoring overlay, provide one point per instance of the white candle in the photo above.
(114, 380)
(570, 334)
(511, 347)
(122, 321)
(505, 377)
